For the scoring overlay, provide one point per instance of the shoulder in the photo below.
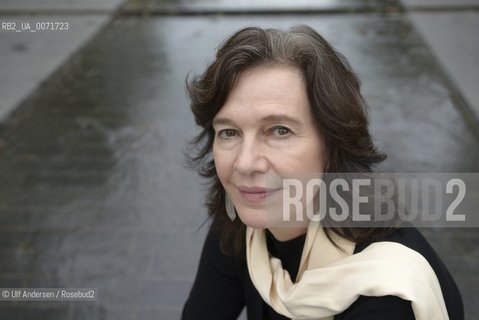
(219, 260)
(217, 291)
(378, 308)
(411, 237)
(408, 236)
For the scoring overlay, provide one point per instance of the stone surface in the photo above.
(95, 190)
(182, 6)
(59, 5)
(29, 57)
(431, 4)
(459, 55)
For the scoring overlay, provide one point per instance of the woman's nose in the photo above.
(250, 158)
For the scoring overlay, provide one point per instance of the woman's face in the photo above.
(264, 132)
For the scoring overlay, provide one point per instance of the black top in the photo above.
(223, 287)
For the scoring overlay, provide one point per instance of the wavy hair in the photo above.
(337, 106)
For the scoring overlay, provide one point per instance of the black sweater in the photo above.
(223, 287)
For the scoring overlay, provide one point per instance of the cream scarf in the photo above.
(329, 280)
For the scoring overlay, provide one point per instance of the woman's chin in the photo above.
(258, 219)
(256, 222)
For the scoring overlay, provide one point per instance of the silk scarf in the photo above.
(330, 279)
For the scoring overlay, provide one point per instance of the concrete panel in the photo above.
(30, 57)
(453, 37)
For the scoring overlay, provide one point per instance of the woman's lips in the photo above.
(256, 194)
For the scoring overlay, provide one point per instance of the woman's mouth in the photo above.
(256, 194)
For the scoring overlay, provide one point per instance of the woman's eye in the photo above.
(227, 133)
(281, 131)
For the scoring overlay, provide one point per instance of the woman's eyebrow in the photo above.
(281, 118)
(268, 119)
(222, 121)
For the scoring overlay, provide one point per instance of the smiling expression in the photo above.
(264, 131)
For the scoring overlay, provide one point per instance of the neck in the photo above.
(285, 234)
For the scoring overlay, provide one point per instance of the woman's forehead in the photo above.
(264, 92)
(270, 81)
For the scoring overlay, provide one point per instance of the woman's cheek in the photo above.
(223, 165)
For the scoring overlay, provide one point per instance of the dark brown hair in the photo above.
(334, 95)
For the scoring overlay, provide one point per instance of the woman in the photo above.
(275, 104)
